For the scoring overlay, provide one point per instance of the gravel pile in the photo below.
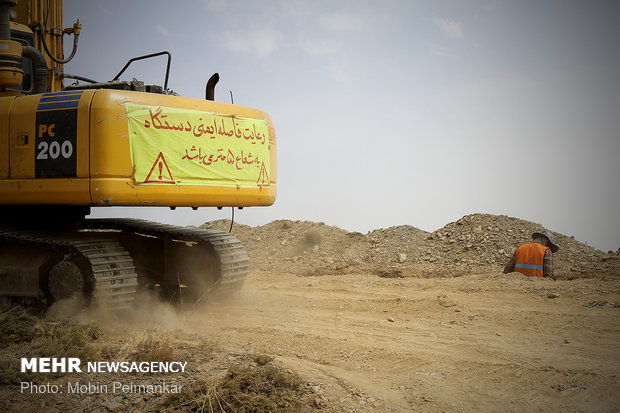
(474, 243)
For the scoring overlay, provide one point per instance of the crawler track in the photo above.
(107, 266)
(225, 249)
(110, 259)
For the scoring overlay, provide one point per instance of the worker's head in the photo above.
(548, 239)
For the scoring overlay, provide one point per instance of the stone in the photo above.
(595, 303)
(112, 406)
(444, 301)
(320, 402)
(402, 258)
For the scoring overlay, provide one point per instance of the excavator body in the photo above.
(65, 149)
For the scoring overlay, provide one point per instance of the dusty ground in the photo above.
(458, 341)
(363, 343)
(473, 343)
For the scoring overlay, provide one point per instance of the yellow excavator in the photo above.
(67, 148)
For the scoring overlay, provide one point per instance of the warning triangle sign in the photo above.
(263, 176)
(159, 173)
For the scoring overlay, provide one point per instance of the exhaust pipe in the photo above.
(5, 26)
(210, 90)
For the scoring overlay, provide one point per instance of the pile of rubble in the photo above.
(477, 242)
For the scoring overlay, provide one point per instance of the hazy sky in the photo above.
(397, 112)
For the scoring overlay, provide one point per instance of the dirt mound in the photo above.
(477, 242)
(483, 239)
(300, 247)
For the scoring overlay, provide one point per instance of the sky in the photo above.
(395, 112)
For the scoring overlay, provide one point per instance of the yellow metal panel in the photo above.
(40, 125)
(45, 191)
(22, 137)
(83, 134)
(112, 170)
(5, 106)
(49, 185)
(109, 139)
(116, 192)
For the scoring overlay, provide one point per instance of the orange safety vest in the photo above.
(529, 259)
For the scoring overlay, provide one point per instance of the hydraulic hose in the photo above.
(76, 35)
(40, 68)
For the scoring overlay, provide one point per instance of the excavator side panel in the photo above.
(5, 107)
(126, 170)
(48, 149)
(81, 148)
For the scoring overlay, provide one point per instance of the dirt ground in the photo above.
(481, 342)
(362, 341)
(474, 343)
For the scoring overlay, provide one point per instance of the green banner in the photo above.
(172, 146)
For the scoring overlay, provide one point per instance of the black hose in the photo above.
(41, 31)
(40, 69)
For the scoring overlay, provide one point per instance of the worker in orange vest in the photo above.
(534, 259)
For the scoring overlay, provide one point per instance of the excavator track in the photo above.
(109, 260)
(107, 266)
(227, 252)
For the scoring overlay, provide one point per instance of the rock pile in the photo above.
(477, 242)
